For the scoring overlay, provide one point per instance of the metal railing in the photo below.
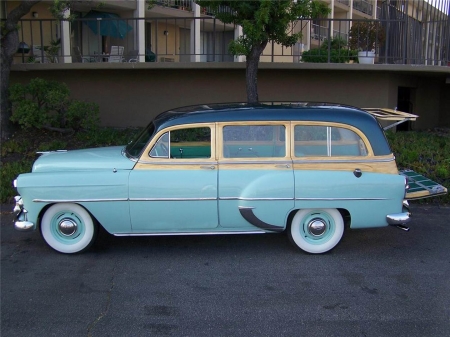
(408, 41)
(363, 6)
(345, 2)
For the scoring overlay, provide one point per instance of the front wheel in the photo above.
(68, 228)
(316, 230)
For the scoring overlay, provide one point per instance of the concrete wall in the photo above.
(132, 94)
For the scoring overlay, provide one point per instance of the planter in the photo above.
(366, 57)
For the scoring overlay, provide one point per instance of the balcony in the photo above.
(363, 6)
(172, 40)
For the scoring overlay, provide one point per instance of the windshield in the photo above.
(137, 145)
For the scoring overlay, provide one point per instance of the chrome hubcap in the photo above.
(317, 227)
(67, 227)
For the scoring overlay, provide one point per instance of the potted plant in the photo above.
(52, 51)
(365, 37)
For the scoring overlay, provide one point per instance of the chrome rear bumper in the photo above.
(400, 218)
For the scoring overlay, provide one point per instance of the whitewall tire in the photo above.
(316, 230)
(68, 228)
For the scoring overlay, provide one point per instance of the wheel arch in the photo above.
(346, 216)
(46, 207)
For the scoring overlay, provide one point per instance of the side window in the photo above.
(186, 143)
(326, 141)
(161, 148)
(251, 141)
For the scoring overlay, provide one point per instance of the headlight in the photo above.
(15, 183)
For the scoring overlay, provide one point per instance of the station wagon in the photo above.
(312, 170)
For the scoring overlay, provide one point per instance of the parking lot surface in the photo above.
(376, 282)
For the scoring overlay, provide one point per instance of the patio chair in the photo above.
(78, 57)
(116, 54)
(39, 54)
(132, 56)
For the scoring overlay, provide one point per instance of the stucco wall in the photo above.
(132, 96)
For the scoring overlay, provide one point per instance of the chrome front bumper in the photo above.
(400, 218)
(22, 224)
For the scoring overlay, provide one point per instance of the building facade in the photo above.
(176, 53)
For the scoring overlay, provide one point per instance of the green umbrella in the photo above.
(110, 24)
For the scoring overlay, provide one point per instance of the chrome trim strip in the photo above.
(247, 214)
(79, 200)
(333, 199)
(123, 199)
(190, 233)
(172, 199)
(179, 161)
(329, 141)
(325, 161)
(254, 199)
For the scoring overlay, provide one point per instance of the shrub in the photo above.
(366, 35)
(47, 104)
(339, 52)
(320, 55)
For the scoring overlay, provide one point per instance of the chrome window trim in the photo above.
(259, 162)
(334, 161)
(329, 141)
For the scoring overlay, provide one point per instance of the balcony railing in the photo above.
(363, 6)
(345, 2)
(173, 40)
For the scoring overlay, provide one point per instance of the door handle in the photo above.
(283, 166)
(207, 167)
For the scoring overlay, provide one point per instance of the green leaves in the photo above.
(263, 21)
(43, 104)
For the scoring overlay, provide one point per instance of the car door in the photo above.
(173, 187)
(256, 181)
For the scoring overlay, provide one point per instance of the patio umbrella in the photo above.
(110, 24)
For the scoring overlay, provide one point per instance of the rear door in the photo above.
(256, 180)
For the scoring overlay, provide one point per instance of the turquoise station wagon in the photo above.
(312, 170)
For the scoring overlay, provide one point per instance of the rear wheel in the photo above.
(316, 230)
(68, 228)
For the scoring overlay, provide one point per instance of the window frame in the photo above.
(221, 142)
(146, 158)
(329, 155)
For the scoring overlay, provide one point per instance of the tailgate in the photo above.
(421, 187)
(390, 117)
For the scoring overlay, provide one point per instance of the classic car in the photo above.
(312, 170)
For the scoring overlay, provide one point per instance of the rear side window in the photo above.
(327, 141)
(252, 141)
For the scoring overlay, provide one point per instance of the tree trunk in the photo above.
(252, 72)
(9, 45)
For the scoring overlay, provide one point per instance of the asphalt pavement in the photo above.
(376, 282)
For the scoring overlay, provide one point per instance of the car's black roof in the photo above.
(278, 111)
